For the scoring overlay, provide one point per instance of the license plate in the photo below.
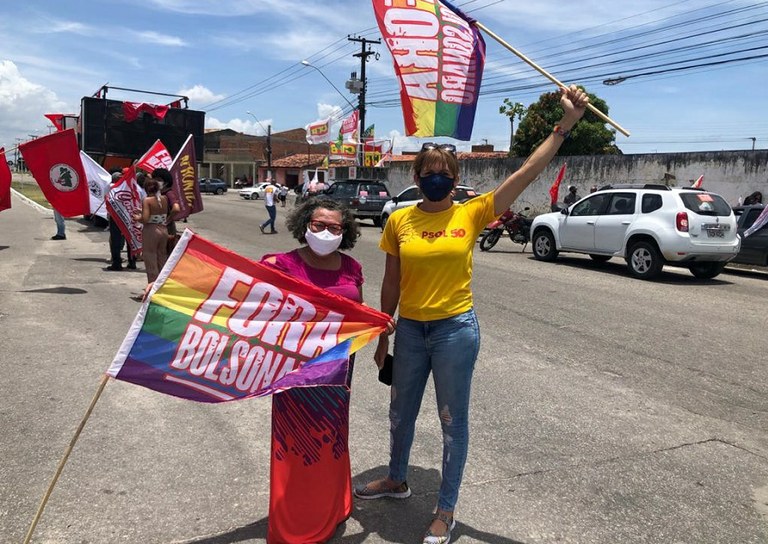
(715, 233)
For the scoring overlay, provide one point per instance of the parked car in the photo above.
(754, 248)
(647, 225)
(255, 192)
(365, 198)
(213, 185)
(412, 196)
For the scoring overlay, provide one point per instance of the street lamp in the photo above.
(307, 63)
(268, 130)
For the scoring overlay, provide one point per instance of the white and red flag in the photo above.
(157, 156)
(349, 128)
(123, 201)
(319, 132)
(186, 190)
(54, 161)
(697, 184)
(555, 189)
(98, 184)
(5, 182)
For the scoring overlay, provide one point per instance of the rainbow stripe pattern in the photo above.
(219, 327)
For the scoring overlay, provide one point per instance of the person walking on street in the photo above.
(283, 195)
(270, 192)
(428, 276)
(571, 197)
(61, 233)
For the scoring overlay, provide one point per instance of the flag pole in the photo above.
(546, 74)
(63, 461)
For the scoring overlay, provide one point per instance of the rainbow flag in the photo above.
(219, 327)
(439, 57)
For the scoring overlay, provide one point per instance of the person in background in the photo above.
(282, 195)
(428, 277)
(310, 477)
(571, 197)
(61, 227)
(754, 198)
(164, 177)
(154, 215)
(270, 192)
(593, 189)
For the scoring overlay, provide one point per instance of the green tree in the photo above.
(512, 110)
(589, 137)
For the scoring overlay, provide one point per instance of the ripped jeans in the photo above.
(448, 348)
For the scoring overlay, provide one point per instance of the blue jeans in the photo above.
(60, 225)
(272, 211)
(448, 348)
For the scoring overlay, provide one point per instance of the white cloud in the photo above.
(246, 126)
(199, 96)
(160, 39)
(22, 105)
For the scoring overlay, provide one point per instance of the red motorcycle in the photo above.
(516, 224)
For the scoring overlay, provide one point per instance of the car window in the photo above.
(374, 189)
(343, 189)
(621, 204)
(461, 194)
(752, 215)
(705, 203)
(411, 194)
(650, 203)
(590, 206)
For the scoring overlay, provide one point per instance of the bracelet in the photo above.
(561, 131)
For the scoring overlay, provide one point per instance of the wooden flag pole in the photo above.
(549, 76)
(63, 461)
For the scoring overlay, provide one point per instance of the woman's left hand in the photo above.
(574, 102)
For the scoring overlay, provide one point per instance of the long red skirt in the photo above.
(310, 491)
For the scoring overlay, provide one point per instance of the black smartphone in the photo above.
(385, 372)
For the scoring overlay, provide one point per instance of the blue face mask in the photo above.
(436, 187)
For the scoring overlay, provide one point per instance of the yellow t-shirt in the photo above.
(435, 251)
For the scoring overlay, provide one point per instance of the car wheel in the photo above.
(644, 261)
(383, 220)
(707, 271)
(219, 191)
(544, 248)
(599, 258)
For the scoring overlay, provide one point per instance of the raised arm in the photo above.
(573, 101)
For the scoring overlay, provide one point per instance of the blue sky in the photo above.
(234, 56)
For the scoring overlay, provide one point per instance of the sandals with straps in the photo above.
(450, 524)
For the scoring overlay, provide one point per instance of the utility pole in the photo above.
(269, 151)
(364, 53)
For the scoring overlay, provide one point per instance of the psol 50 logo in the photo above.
(453, 233)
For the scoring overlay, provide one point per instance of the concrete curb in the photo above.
(29, 202)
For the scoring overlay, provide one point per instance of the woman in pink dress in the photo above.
(310, 476)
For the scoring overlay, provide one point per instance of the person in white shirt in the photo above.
(270, 192)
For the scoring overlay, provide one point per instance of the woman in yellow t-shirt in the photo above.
(428, 273)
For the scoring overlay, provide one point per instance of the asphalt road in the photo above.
(605, 409)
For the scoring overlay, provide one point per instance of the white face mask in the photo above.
(323, 243)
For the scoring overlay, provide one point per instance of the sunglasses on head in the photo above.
(450, 148)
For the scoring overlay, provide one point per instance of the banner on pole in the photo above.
(156, 156)
(122, 202)
(439, 57)
(5, 182)
(219, 327)
(186, 190)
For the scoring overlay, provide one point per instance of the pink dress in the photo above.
(310, 489)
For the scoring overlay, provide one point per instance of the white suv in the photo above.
(412, 196)
(648, 225)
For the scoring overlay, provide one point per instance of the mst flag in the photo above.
(186, 189)
(122, 202)
(220, 327)
(439, 56)
(157, 156)
(5, 182)
(54, 161)
(555, 189)
(319, 132)
(98, 184)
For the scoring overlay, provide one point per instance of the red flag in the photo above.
(186, 190)
(132, 110)
(122, 202)
(5, 182)
(555, 189)
(698, 182)
(57, 119)
(54, 161)
(156, 157)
